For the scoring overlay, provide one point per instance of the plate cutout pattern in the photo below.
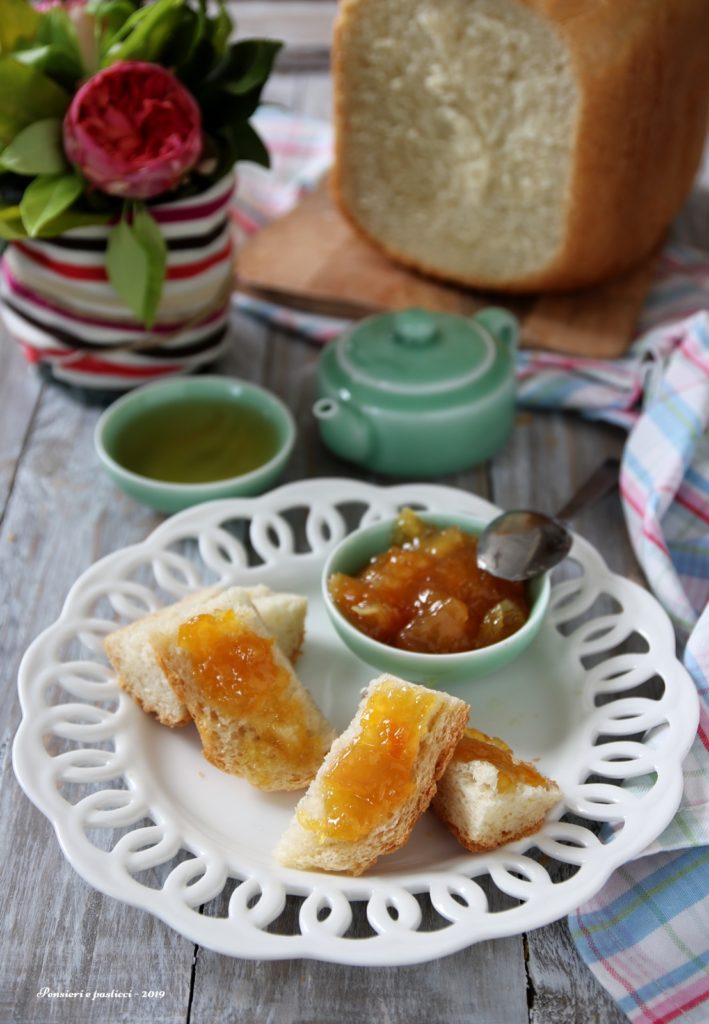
(76, 735)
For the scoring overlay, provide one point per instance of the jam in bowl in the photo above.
(407, 597)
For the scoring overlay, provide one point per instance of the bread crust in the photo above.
(643, 79)
(503, 837)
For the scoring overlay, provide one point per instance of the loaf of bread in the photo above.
(254, 716)
(377, 780)
(488, 797)
(518, 145)
(131, 653)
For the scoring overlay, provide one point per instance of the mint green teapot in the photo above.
(417, 393)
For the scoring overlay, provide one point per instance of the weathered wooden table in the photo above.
(58, 514)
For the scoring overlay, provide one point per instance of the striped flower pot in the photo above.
(60, 307)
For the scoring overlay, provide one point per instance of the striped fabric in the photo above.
(611, 389)
(60, 307)
(646, 934)
(665, 476)
(648, 941)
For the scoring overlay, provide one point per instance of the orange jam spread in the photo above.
(426, 593)
(236, 673)
(375, 774)
(476, 746)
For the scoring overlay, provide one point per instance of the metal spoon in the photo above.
(520, 544)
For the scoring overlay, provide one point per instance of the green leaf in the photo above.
(11, 226)
(105, 10)
(233, 142)
(148, 233)
(127, 266)
(186, 36)
(18, 21)
(248, 145)
(27, 96)
(46, 197)
(255, 57)
(53, 61)
(111, 16)
(71, 219)
(65, 60)
(228, 108)
(192, 72)
(135, 261)
(245, 66)
(145, 33)
(37, 149)
(222, 26)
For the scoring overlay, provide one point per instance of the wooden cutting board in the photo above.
(313, 260)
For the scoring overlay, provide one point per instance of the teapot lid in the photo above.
(417, 351)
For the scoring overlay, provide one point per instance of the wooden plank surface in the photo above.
(71, 933)
(19, 394)
(60, 514)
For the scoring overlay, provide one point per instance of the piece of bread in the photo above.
(518, 145)
(487, 797)
(254, 716)
(130, 651)
(377, 780)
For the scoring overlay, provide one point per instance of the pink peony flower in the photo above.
(133, 130)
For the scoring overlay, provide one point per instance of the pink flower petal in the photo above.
(133, 130)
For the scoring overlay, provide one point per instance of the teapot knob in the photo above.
(415, 328)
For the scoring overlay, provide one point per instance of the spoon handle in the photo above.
(601, 482)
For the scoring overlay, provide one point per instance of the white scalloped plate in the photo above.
(143, 817)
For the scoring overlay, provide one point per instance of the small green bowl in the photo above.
(354, 552)
(167, 496)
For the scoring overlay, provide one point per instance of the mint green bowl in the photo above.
(166, 496)
(354, 552)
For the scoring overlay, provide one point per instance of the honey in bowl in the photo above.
(425, 593)
(194, 440)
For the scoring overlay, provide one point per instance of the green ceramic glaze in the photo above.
(435, 670)
(182, 396)
(417, 393)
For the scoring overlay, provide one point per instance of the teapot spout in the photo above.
(343, 429)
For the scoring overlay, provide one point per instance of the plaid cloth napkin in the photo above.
(646, 934)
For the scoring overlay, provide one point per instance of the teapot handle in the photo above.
(501, 324)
